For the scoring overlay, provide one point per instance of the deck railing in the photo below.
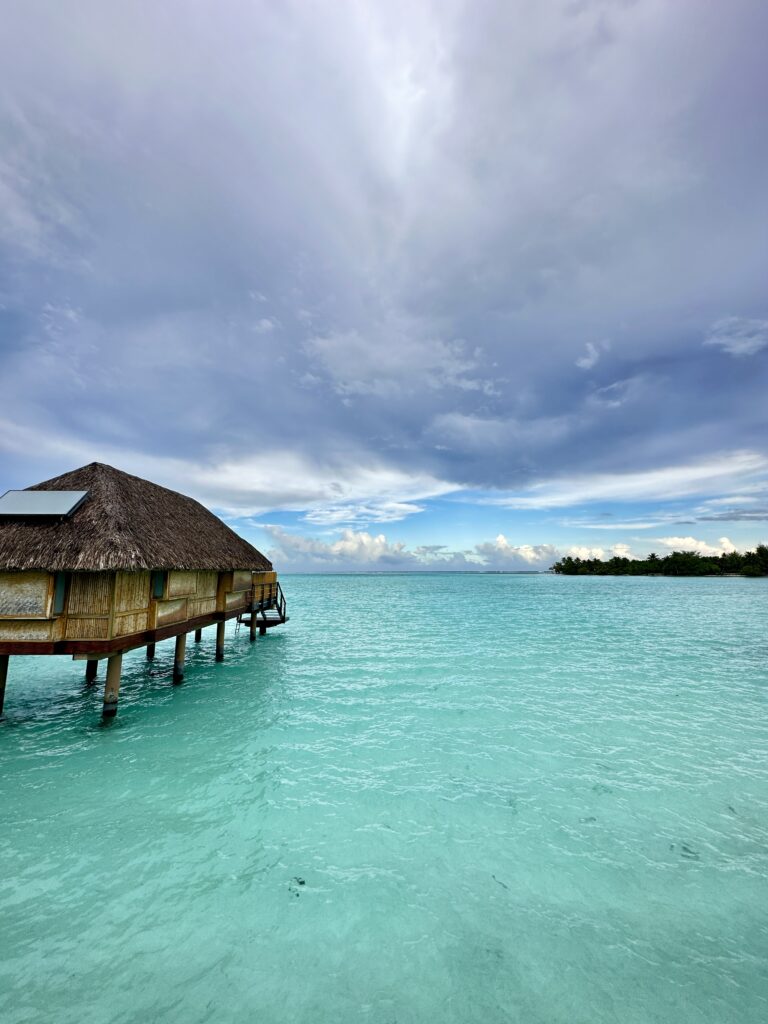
(281, 605)
(271, 596)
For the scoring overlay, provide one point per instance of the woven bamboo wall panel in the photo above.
(131, 591)
(241, 580)
(264, 577)
(24, 594)
(171, 611)
(237, 600)
(207, 583)
(201, 606)
(90, 593)
(89, 627)
(182, 584)
(24, 630)
(134, 622)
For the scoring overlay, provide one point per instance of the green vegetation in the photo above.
(679, 563)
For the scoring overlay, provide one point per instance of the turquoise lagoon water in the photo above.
(427, 798)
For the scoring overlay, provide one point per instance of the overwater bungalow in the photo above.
(97, 562)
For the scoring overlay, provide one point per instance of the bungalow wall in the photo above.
(50, 607)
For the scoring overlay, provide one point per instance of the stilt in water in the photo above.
(112, 687)
(150, 652)
(252, 628)
(198, 635)
(91, 670)
(3, 678)
(178, 658)
(220, 641)
(262, 629)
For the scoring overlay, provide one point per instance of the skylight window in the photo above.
(37, 505)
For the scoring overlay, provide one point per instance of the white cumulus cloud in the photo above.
(615, 550)
(581, 551)
(359, 550)
(500, 553)
(355, 549)
(723, 547)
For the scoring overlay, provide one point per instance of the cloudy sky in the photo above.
(394, 284)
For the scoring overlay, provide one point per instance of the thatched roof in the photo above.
(125, 523)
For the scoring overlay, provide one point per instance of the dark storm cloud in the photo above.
(334, 256)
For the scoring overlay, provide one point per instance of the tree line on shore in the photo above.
(678, 563)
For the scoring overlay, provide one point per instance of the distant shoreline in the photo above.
(747, 564)
(508, 572)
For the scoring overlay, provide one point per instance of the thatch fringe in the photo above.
(125, 523)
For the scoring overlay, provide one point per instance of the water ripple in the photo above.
(454, 798)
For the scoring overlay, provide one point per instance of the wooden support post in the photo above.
(220, 626)
(150, 652)
(91, 670)
(262, 629)
(178, 658)
(252, 606)
(198, 635)
(112, 688)
(3, 678)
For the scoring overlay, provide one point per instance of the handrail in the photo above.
(276, 599)
(281, 603)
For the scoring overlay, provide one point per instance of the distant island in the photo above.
(679, 563)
